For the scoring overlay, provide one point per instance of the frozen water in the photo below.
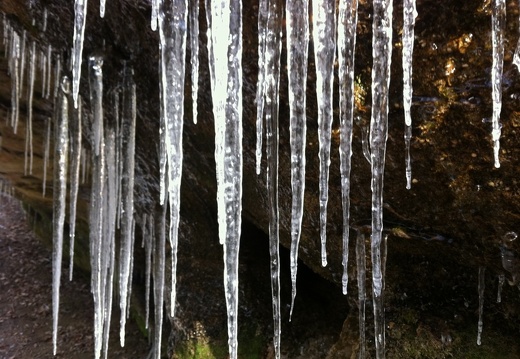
(324, 38)
(347, 25)
(80, 18)
(297, 61)
(194, 50)
(409, 14)
(75, 161)
(381, 54)
(61, 144)
(498, 23)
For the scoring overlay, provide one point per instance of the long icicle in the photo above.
(128, 123)
(324, 38)
(381, 54)
(97, 211)
(226, 40)
(194, 50)
(61, 144)
(273, 51)
(361, 278)
(347, 25)
(80, 17)
(30, 93)
(263, 11)
(75, 161)
(498, 24)
(173, 15)
(297, 61)
(409, 15)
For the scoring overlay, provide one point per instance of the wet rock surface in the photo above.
(460, 213)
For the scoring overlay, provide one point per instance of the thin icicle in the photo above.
(75, 161)
(481, 287)
(102, 8)
(155, 11)
(15, 79)
(173, 16)
(22, 62)
(49, 71)
(273, 50)
(45, 13)
(46, 153)
(128, 123)
(149, 239)
(263, 14)
(498, 23)
(297, 61)
(28, 127)
(381, 54)
(80, 17)
(109, 229)
(97, 204)
(61, 143)
(347, 25)
(194, 48)
(324, 38)
(409, 15)
(361, 278)
(501, 279)
(158, 277)
(43, 69)
(516, 56)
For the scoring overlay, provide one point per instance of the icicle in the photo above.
(361, 278)
(155, 10)
(80, 17)
(30, 92)
(61, 143)
(297, 61)
(481, 287)
(149, 239)
(172, 29)
(44, 27)
(498, 20)
(127, 194)
(49, 70)
(158, 277)
(347, 25)
(226, 61)
(46, 153)
(22, 62)
(15, 79)
(75, 160)
(501, 279)
(263, 13)
(109, 229)
(409, 14)
(273, 48)
(324, 38)
(381, 54)
(516, 56)
(43, 69)
(102, 8)
(194, 48)
(98, 193)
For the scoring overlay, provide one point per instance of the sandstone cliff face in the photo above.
(461, 212)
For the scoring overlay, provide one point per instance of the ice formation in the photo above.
(297, 24)
(381, 54)
(61, 144)
(347, 25)
(498, 23)
(409, 14)
(324, 38)
(113, 146)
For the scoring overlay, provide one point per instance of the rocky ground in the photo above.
(26, 300)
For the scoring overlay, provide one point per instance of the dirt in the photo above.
(26, 300)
